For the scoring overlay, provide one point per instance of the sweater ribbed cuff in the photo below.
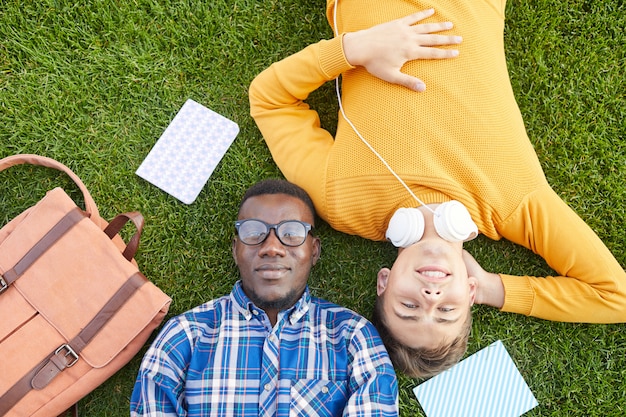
(518, 294)
(332, 59)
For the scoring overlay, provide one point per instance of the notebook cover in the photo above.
(486, 384)
(184, 157)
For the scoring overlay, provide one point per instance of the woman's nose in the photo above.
(431, 293)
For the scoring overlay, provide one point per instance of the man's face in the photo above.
(427, 294)
(273, 275)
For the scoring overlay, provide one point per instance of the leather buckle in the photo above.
(69, 352)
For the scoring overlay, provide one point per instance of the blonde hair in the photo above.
(421, 362)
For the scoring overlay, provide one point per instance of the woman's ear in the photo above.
(381, 280)
(473, 283)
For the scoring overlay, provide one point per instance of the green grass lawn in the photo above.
(93, 84)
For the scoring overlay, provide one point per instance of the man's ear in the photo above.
(233, 249)
(317, 250)
(473, 284)
(381, 280)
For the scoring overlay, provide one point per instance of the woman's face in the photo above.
(427, 294)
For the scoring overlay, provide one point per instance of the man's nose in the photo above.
(272, 245)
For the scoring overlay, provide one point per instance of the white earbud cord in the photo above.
(343, 113)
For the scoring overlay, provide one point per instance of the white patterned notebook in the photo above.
(486, 384)
(184, 157)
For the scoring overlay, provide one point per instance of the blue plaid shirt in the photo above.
(223, 358)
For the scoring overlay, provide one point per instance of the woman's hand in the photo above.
(489, 287)
(385, 48)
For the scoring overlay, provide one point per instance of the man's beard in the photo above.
(283, 303)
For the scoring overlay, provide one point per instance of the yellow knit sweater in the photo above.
(462, 139)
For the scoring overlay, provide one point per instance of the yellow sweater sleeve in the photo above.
(590, 285)
(299, 145)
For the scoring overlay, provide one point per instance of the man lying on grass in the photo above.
(269, 348)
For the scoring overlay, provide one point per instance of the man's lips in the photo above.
(272, 270)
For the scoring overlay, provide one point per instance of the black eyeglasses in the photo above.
(288, 232)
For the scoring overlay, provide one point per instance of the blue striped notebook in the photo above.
(486, 384)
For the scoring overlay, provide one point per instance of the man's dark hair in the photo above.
(278, 186)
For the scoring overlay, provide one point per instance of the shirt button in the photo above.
(325, 389)
(268, 387)
(255, 312)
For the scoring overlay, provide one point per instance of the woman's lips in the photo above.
(433, 273)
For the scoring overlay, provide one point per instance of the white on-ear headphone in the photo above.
(452, 223)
